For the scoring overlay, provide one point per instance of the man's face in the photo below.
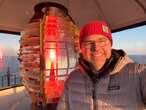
(96, 49)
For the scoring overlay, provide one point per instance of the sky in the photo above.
(9, 43)
(133, 41)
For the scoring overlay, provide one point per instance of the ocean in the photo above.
(139, 58)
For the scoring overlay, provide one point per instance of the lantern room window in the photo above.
(9, 64)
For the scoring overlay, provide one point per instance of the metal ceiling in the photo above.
(120, 14)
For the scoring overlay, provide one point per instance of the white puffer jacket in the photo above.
(123, 89)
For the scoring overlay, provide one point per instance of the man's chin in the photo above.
(99, 65)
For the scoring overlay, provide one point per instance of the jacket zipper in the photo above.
(94, 96)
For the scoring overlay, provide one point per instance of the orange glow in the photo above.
(52, 54)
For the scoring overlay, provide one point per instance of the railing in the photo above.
(7, 80)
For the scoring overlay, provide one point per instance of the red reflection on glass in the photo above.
(50, 28)
(53, 86)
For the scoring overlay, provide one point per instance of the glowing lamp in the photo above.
(52, 55)
(47, 54)
(58, 55)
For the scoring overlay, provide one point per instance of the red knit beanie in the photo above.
(96, 27)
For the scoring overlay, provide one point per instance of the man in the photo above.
(106, 79)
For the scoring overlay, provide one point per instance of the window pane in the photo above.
(133, 42)
(9, 64)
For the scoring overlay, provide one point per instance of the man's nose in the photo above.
(94, 47)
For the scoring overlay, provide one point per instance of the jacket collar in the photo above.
(117, 61)
(121, 63)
